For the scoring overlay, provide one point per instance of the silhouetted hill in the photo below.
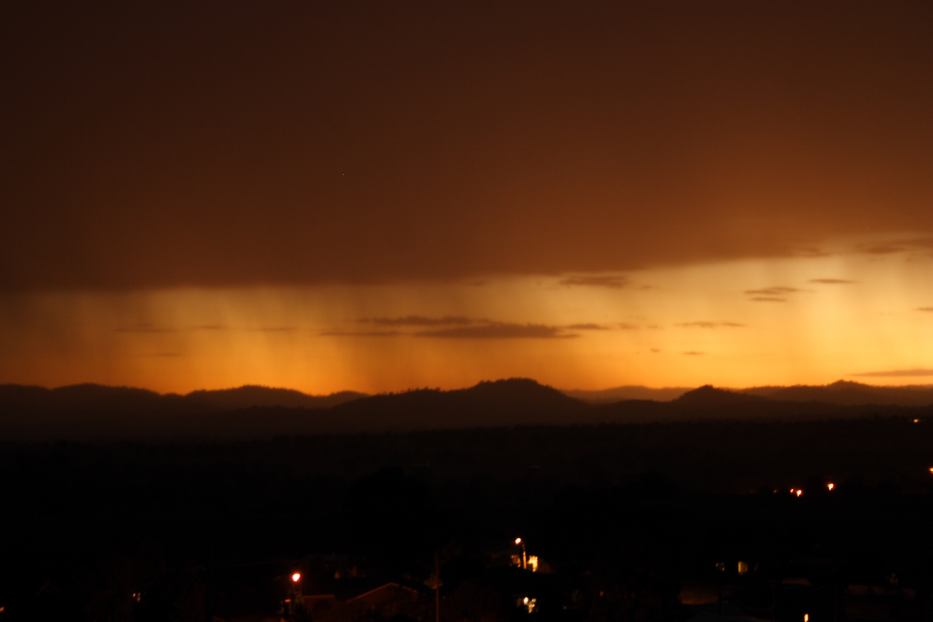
(708, 403)
(709, 396)
(515, 401)
(93, 411)
(93, 397)
(627, 393)
(90, 410)
(82, 398)
(849, 394)
(253, 396)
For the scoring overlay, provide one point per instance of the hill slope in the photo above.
(96, 412)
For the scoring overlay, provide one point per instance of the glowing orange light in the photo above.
(806, 617)
(830, 486)
(296, 577)
(518, 541)
(528, 603)
(931, 469)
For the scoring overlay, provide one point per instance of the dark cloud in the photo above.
(627, 326)
(767, 299)
(596, 280)
(211, 327)
(925, 309)
(145, 328)
(897, 373)
(896, 246)
(460, 327)
(702, 324)
(693, 353)
(500, 330)
(360, 333)
(772, 294)
(833, 281)
(881, 249)
(772, 291)
(274, 329)
(420, 320)
(376, 142)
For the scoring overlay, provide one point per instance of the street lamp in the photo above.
(292, 605)
(521, 543)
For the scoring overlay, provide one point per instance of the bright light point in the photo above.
(830, 486)
(806, 617)
(798, 492)
(528, 603)
(296, 577)
(518, 541)
(915, 420)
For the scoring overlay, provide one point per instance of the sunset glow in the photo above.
(843, 315)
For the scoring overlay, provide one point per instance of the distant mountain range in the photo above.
(99, 412)
(627, 392)
(95, 397)
(847, 393)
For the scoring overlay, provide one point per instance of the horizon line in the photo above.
(685, 388)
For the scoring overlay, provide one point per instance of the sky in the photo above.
(379, 196)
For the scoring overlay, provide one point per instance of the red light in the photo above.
(296, 577)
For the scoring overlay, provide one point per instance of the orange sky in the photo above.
(843, 314)
(220, 194)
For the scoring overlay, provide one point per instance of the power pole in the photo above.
(437, 587)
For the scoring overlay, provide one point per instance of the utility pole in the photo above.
(437, 587)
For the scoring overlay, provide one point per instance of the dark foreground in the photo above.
(654, 522)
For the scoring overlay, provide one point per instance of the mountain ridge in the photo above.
(97, 411)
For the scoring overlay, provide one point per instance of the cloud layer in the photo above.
(897, 373)
(377, 143)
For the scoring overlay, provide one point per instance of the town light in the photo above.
(524, 560)
(296, 577)
(533, 563)
(528, 603)
(830, 486)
